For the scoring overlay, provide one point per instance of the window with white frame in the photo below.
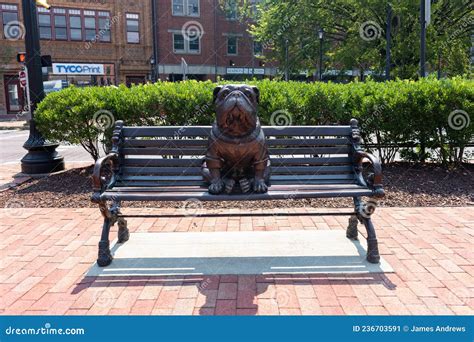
(60, 26)
(189, 8)
(133, 32)
(232, 45)
(11, 25)
(190, 44)
(257, 48)
(44, 23)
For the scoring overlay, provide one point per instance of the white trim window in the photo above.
(232, 45)
(132, 28)
(187, 8)
(186, 45)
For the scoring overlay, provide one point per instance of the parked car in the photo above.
(55, 85)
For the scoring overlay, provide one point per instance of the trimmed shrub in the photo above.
(434, 116)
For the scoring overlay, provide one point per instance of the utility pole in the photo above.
(154, 28)
(286, 61)
(423, 38)
(42, 156)
(389, 43)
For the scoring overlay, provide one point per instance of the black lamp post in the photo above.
(321, 38)
(42, 156)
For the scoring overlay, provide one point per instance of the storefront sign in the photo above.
(78, 69)
(245, 71)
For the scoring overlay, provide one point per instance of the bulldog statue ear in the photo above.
(257, 93)
(216, 91)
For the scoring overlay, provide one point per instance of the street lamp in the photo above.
(321, 37)
(42, 156)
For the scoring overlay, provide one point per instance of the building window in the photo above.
(186, 7)
(104, 26)
(44, 21)
(190, 44)
(133, 34)
(75, 24)
(232, 45)
(90, 25)
(60, 27)
(257, 48)
(11, 25)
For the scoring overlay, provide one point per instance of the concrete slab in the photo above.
(253, 252)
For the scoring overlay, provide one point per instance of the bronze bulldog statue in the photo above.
(237, 155)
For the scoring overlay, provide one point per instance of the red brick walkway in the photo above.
(44, 254)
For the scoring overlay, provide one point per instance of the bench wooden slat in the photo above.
(279, 131)
(186, 151)
(195, 131)
(199, 188)
(199, 178)
(163, 162)
(171, 142)
(311, 161)
(202, 183)
(131, 170)
(205, 196)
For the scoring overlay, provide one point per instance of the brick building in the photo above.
(208, 38)
(108, 42)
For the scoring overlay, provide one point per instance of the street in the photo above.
(11, 146)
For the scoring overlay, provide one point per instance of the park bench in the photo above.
(164, 164)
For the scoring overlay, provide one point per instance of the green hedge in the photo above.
(392, 115)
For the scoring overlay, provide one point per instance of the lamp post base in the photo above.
(42, 159)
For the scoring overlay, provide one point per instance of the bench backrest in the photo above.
(172, 156)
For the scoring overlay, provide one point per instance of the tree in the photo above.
(355, 34)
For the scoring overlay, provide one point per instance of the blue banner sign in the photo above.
(236, 328)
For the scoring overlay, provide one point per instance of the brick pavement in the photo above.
(44, 254)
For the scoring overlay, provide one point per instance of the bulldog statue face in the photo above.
(237, 155)
(236, 108)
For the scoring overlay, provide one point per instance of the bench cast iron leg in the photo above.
(352, 232)
(105, 256)
(373, 255)
(363, 214)
(123, 233)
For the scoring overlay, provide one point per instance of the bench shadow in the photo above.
(207, 286)
(207, 273)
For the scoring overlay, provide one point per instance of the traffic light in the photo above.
(21, 57)
(43, 3)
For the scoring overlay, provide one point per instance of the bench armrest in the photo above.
(376, 182)
(99, 182)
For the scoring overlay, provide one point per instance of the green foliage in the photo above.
(355, 35)
(391, 114)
